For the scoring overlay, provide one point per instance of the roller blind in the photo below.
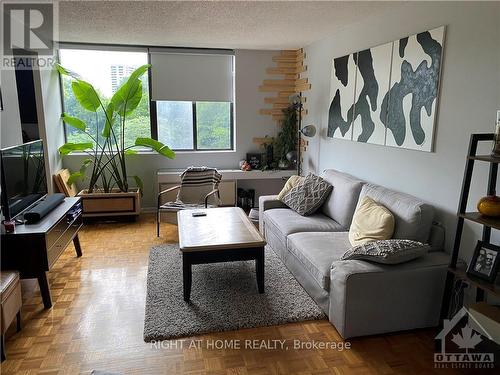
(191, 77)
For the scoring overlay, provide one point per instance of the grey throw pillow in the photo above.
(387, 251)
(306, 197)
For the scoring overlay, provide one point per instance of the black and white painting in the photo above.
(388, 94)
(372, 84)
(342, 86)
(413, 96)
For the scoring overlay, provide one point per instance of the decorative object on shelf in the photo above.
(495, 152)
(374, 110)
(106, 147)
(485, 261)
(245, 166)
(489, 206)
(255, 160)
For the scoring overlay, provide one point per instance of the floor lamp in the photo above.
(308, 131)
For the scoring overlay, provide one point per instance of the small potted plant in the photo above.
(108, 192)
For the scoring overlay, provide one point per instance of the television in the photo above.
(23, 178)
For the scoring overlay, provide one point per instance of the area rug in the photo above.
(224, 297)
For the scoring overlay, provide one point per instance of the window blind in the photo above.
(191, 76)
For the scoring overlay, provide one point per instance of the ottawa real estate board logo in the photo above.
(464, 343)
(28, 34)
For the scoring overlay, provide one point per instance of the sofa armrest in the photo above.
(268, 202)
(368, 298)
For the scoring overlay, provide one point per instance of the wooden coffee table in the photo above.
(225, 234)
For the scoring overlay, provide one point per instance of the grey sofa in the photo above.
(360, 298)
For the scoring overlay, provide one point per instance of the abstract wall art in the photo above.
(395, 93)
(372, 84)
(342, 85)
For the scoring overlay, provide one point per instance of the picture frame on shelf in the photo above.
(485, 262)
(255, 160)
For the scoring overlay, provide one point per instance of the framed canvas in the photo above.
(485, 261)
(372, 84)
(342, 86)
(255, 160)
(412, 100)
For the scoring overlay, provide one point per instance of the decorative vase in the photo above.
(489, 206)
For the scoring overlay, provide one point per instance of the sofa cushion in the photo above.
(317, 251)
(307, 196)
(412, 217)
(284, 221)
(341, 203)
(371, 222)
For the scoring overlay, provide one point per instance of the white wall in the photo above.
(470, 95)
(10, 120)
(49, 109)
(250, 72)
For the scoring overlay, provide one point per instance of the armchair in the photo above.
(198, 185)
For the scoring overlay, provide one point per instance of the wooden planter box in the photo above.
(117, 203)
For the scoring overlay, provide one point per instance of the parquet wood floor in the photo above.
(98, 315)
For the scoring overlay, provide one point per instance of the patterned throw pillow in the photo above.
(387, 251)
(306, 197)
(290, 183)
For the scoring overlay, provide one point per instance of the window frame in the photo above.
(153, 111)
(195, 129)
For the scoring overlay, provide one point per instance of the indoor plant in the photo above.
(106, 147)
(286, 140)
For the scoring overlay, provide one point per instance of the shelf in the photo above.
(487, 158)
(167, 176)
(461, 273)
(478, 218)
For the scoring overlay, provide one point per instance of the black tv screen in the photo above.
(23, 177)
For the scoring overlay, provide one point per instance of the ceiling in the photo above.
(215, 24)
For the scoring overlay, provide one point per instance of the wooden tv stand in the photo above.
(34, 248)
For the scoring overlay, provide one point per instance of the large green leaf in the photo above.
(127, 97)
(69, 147)
(73, 177)
(156, 146)
(131, 152)
(86, 95)
(136, 74)
(74, 122)
(81, 174)
(108, 122)
(66, 72)
(139, 183)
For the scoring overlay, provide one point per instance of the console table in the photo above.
(231, 180)
(34, 248)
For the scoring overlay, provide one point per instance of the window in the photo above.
(190, 93)
(195, 125)
(105, 70)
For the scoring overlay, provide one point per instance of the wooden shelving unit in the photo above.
(460, 273)
(455, 271)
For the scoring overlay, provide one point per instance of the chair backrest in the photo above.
(196, 183)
